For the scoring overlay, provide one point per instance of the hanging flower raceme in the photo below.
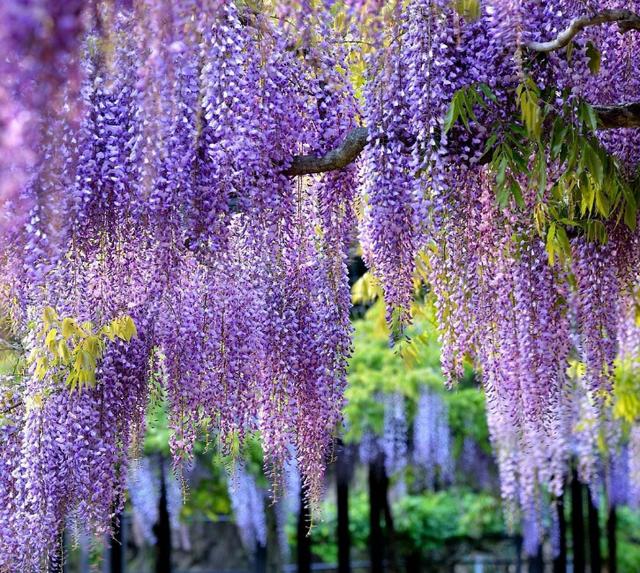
(247, 501)
(144, 491)
(596, 298)
(144, 484)
(41, 41)
(388, 228)
(634, 467)
(432, 439)
(394, 433)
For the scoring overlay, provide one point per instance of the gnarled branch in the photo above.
(617, 116)
(337, 158)
(626, 20)
(609, 117)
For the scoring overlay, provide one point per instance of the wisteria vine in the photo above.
(154, 148)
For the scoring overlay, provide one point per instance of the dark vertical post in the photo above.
(376, 508)
(560, 560)
(163, 527)
(274, 555)
(612, 523)
(517, 541)
(595, 556)
(413, 563)
(261, 559)
(304, 539)
(577, 525)
(116, 548)
(536, 562)
(390, 532)
(56, 558)
(343, 475)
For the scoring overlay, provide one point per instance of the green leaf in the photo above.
(502, 169)
(502, 196)
(491, 142)
(457, 110)
(594, 164)
(486, 90)
(594, 58)
(452, 115)
(563, 240)
(69, 327)
(602, 202)
(542, 171)
(558, 134)
(588, 116)
(587, 198)
(517, 194)
(570, 47)
(468, 9)
(551, 235)
(630, 207)
(596, 231)
(530, 112)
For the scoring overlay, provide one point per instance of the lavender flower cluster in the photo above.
(521, 316)
(165, 199)
(248, 503)
(432, 448)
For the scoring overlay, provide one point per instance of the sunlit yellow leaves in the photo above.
(557, 243)
(50, 339)
(71, 351)
(528, 96)
(468, 9)
(33, 402)
(365, 290)
(627, 391)
(49, 316)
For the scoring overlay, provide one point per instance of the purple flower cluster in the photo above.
(248, 503)
(388, 228)
(144, 486)
(167, 201)
(144, 491)
(596, 299)
(394, 433)
(476, 465)
(499, 300)
(432, 439)
(40, 40)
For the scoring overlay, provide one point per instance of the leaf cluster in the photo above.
(65, 347)
(555, 157)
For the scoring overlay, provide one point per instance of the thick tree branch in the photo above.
(625, 19)
(337, 158)
(609, 117)
(617, 116)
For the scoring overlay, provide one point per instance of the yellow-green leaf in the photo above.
(69, 327)
(50, 340)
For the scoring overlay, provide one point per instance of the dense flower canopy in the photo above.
(177, 215)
